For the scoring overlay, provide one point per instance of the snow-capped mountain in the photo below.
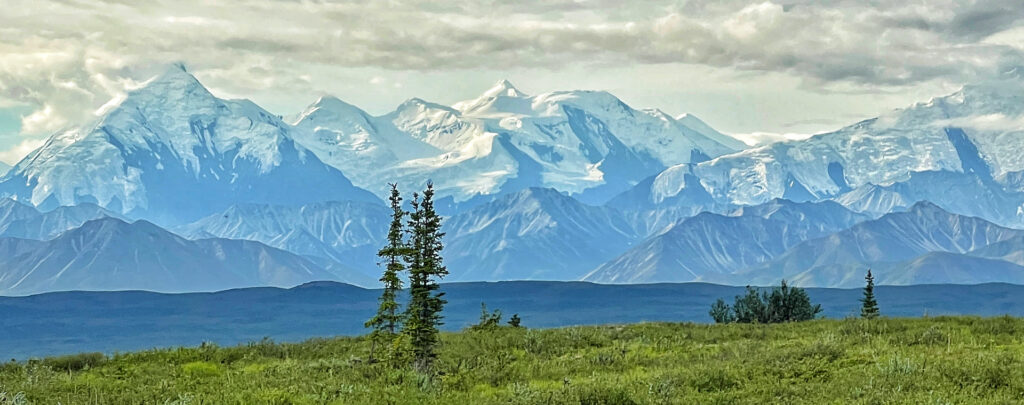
(171, 151)
(549, 186)
(19, 220)
(587, 143)
(110, 254)
(346, 232)
(714, 243)
(536, 234)
(978, 131)
(4, 167)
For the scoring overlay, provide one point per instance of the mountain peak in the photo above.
(418, 104)
(503, 88)
(542, 193)
(175, 86)
(334, 104)
(927, 207)
(176, 73)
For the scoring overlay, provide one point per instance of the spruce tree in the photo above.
(869, 307)
(426, 268)
(388, 317)
(515, 321)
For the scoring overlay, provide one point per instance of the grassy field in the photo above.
(932, 360)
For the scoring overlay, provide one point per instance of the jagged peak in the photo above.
(176, 73)
(417, 103)
(330, 105)
(503, 88)
(541, 193)
(172, 86)
(18, 208)
(926, 207)
(329, 101)
(694, 122)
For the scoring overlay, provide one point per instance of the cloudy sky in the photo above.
(746, 67)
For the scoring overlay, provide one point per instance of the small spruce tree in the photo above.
(869, 307)
(515, 321)
(426, 268)
(488, 320)
(388, 317)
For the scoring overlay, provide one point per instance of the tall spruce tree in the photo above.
(426, 268)
(388, 318)
(869, 307)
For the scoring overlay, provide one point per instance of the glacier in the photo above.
(975, 131)
(587, 143)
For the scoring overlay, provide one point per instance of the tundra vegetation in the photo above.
(884, 360)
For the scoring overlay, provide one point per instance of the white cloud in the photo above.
(12, 155)
(986, 122)
(74, 57)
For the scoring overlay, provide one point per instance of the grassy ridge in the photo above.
(931, 360)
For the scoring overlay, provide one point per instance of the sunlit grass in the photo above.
(931, 360)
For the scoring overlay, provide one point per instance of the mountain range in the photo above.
(172, 152)
(963, 152)
(587, 143)
(111, 254)
(23, 221)
(174, 189)
(715, 243)
(893, 245)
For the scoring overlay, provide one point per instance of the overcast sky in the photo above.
(783, 67)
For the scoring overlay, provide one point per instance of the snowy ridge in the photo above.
(978, 130)
(534, 186)
(168, 140)
(506, 140)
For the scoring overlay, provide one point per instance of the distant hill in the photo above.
(890, 245)
(70, 322)
(713, 243)
(110, 254)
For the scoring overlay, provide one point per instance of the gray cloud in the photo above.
(65, 58)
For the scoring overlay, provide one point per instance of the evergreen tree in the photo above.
(515, 321)
(426, 268)
(869, 309)
(388, 317)
(488, 320)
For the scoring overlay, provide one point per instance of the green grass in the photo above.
(925, 361)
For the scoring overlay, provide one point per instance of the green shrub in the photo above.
(201, 369)
(781, 304)
(75, 362)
